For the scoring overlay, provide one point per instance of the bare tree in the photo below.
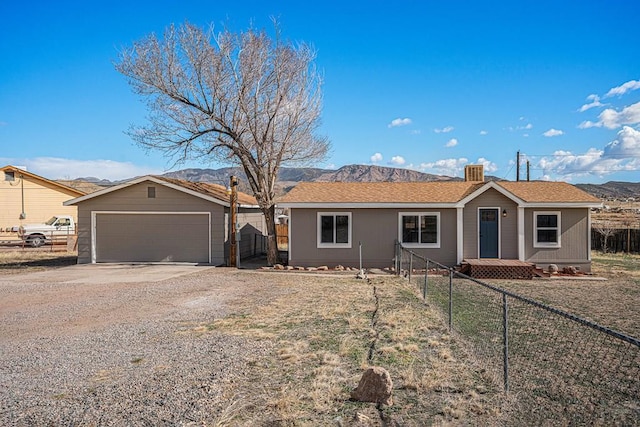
(606, 229)
(245, 99)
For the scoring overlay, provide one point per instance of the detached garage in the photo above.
(159, 219)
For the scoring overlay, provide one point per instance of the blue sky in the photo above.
(425, 85)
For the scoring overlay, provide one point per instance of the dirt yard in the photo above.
(220, 347)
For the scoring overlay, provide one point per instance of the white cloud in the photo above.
(626, 145)
(623, 88)
(449, 167)
(622, 154)
(399, 122)
(612, 119)
(445, 129)
(377, 157)
(451, 143)
(489, 166)
(397, 160)
(553, 132)
(588, 124)
(484, 132)
(518, 128)
(60, 168)
(595, 102)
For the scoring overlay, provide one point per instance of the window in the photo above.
(9, 176)
(151, 192)
(546, 229)
(420, 229)
(334, 229)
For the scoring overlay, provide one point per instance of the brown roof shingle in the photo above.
(380, 192)
(547, 191)
(429, 192)
(212, 190)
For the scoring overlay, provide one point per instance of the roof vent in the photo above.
(474, 173)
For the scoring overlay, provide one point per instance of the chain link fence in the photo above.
(559, 368)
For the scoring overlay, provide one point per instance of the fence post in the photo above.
(450, 300)
(410, 265)
(426, 281)
(505, 341)
(395, 257)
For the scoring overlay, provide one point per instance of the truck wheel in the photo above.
(36, 241)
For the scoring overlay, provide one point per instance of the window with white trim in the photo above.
(546, 229)
(419, 229)
(334, 229)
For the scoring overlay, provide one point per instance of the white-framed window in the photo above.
(419, 229)
(546, 229)
(334, 230)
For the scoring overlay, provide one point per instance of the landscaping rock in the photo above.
(553, 268)
(375, 386)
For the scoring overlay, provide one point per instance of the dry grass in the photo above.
(323, 329)
(612, 303)
(13, 261)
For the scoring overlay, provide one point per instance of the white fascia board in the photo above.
(560, 205)
(320, 205)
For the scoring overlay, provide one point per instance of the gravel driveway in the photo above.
(111, 346)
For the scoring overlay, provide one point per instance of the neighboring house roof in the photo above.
(212, 192)
(435, 193)
(63, 188)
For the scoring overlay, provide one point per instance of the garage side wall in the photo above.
(136, 198)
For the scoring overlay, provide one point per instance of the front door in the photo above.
(488, 233)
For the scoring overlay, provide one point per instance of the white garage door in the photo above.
(152, 237)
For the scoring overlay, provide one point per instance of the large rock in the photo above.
(374, 386)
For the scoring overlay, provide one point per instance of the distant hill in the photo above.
(613, 190)
(289, 177)
(369, 173)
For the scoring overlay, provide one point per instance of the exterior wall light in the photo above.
(504, 213)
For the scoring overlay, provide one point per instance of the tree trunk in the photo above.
(272, 241)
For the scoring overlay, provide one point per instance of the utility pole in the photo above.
(528, 167)
(233, 208)
(518, 166)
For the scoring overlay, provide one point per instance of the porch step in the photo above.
(499, 269)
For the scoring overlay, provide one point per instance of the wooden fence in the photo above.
(282, 234)
(622, 240)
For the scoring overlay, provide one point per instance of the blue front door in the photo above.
(488, 233)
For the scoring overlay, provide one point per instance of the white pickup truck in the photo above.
(56, 228)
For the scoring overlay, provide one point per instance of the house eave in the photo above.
(154, 180)
(319, 205)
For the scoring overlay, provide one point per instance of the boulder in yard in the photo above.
(375, 386)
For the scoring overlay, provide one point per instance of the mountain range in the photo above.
(289, 177)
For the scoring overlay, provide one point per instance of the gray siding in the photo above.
(508, 226)
(134, 199)
(376, 229)
(574, 240)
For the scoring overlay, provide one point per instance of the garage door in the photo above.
(152, 237)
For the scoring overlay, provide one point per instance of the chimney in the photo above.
(474, 173)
